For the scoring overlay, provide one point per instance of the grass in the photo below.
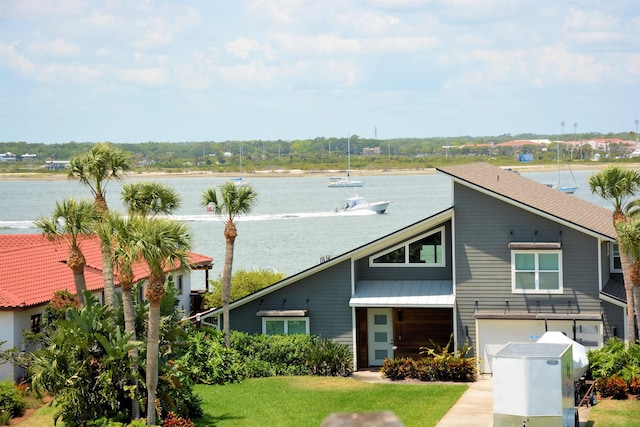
(307, 401)
(615, 413)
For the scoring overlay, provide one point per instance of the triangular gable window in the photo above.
(424, 251)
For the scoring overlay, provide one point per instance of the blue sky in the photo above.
(208, 70)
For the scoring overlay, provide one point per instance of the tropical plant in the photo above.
(629, 243)
(80, 365)
(95, 169)
(12, 402)
(231, 202)
(618, 185)
(163, 244)
(149, 198)
(70, 220)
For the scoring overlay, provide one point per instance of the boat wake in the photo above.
(29, 225)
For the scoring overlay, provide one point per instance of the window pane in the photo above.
(548, 261)
(426, 250)
(381, 354)
(525, 262)
(380, 337)
(525, 280)
(393, 257)
(274, 327)
(380, 319)
(297, 327)
(549, 281)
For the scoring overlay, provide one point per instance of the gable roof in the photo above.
(33, 269)
(361, 251)
(535, 197)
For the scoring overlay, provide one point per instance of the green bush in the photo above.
(431, 369)
(251, 356)
(12, 402)
(615, 358)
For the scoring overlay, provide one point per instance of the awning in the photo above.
(403, 293)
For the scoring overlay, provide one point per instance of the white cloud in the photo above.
(242, 47)
(149, 77)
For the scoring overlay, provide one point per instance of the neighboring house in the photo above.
(33, 269)
(509, 260)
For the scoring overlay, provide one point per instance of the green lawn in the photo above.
(615, 413)
(307, 401)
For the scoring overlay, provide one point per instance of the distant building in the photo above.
(371, 150)
(56, 164)
(28, 157)
(7, 157)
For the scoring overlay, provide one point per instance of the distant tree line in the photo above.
(317, 153)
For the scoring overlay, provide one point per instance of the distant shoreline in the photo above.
(289, 173)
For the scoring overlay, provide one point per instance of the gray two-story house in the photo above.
(509, 260)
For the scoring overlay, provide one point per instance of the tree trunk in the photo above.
(107, 274)
(628, 287)
(130, 327)
(153, 338)
(226, 285)
(76, 263)
(636, 306)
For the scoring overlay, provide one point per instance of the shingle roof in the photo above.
(32, 269)
(534, 196)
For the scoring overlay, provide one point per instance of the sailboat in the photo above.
(568, 189)
(347, 181)
(238, 181)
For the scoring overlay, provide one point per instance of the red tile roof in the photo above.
(33, 268)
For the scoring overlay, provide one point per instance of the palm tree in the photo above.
(149, 198)
(69, 221)
(617, 185)
(95, 169)
(125, 255)
(232, 202)
(163, 244)
(629, 242)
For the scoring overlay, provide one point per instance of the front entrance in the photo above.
(380, 335)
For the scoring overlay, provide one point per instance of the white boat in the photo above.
(358, 203)
(568, 189)
(238, 181)
(335, 182)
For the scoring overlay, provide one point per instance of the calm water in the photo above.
(292, 224)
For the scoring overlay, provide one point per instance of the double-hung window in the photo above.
(285, 325)
(536, 271)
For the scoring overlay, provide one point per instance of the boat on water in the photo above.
(358, 203)
(341, 182)
(567, 189)
(239, 181)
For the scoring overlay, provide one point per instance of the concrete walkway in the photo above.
(473, 409)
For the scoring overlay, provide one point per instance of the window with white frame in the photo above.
(536, 271)
(616, 264)
(425, 251)
(285, 325)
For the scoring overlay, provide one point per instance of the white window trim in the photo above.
(537, 271)
(286, 323)
(612, 256)
(406, 252)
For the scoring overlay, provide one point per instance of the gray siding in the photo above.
(326, 295)
(484, 228)
(365, 272)
(613, 316)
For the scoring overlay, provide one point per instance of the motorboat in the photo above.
(358, 203)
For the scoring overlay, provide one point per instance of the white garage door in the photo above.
(495, 333)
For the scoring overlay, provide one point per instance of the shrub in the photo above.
(634, 386)
(614, 387)
(614, 358)
(399, 369)
(328, 358)
(12, 402)
(173, 420)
